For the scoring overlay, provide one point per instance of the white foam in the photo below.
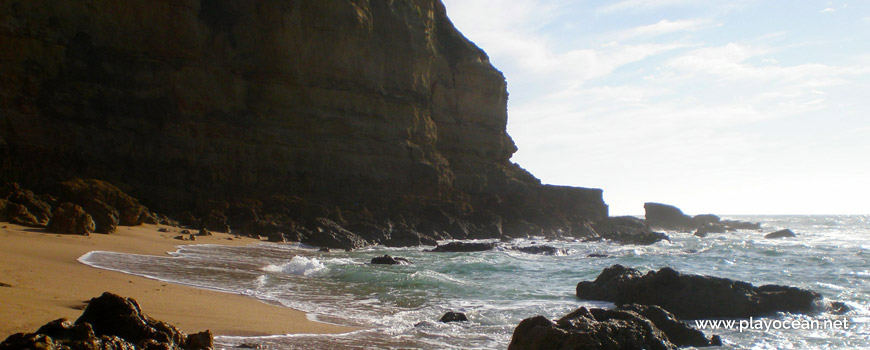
(299, 265)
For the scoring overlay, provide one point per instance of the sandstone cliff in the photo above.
(376, 115)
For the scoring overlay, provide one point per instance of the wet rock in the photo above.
(541, 249)
(452, 316)
(627, 230)
(463, 247)
(678, 332)
(590, 329)
(69, 218)
(695, 296)
(667, 217)
(109, 322)
(81, 191)
(839, 308)
(389, 260)
(708, 228)
(597, 255)
(786, 233)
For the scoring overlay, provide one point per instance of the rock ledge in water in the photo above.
(695, 296)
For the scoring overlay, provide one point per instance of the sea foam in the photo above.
(299, 265)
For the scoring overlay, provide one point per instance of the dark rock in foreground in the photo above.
(627, 230)
(452, 316)
(71, 219)
(678, 332)
(695, 296)
(781, 234)
(590, 329)
(110, 322)
(389, 260)
(463, 247)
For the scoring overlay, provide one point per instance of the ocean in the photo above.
(398, 307)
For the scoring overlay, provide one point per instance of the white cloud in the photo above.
(631, 5)
(829, 10)
(663, 27)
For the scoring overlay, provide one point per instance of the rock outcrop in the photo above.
(678, 332)
(590, 329)
(669, 217)
(452, 316)
(696, 296)
(109, 322)
(785, 233)
(627, 230)
(463, 247)
(376, 113)
(71, 219)
(389, 260)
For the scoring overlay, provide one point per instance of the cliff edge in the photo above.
(300, 118)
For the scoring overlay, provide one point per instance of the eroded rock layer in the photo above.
(267, 114)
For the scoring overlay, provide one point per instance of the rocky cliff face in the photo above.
(272, 112)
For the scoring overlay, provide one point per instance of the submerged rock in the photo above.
(109, 322)
(463, 247)
(695, 296)
(389, 260)
(590, 329)
(452, 316)
(541, 249)
(71, 219)
(787, 233)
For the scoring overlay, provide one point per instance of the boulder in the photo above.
(590, 329)
(389, 260)
(105, 216)
(667, 217)
(786, 233)
(69, 218)
(452, 316)
(109, 322)
(678, 332)
(708, 228)
(19, 215)
(704, 219)
(463, 247)
(695, 296)
(23, 207)
(627, 230)
(81, 191)
(541, 249)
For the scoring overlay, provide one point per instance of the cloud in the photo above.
(634, 5)
(829, 10)
(663, 27)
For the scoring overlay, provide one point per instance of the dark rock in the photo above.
(597, 255)
(463, 247)
(786, 233)
(4, 210)
(590, 329)
(695, 296)
(708, 228)
(185, 232)
(278, 237)
(109, 322)
(105, 216)
(191, 237)
(35, 211)
(204, 232)
(81, 191)
(181, 237)
(216, 221)
(627, 230)
(5, 285)
(162, 229)
(69, 218)
(452, 316)
(328, 233)
(323, 250)
(706, 219)
(733, 225)
(541, 249)
(406, 237)
(250, 346)
(667, 217)
(839, 308)
(389, 260)
(678, 332)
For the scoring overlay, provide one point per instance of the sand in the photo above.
(47, 282)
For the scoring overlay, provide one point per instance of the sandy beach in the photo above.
(47, 282)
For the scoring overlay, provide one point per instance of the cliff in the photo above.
(266, 115)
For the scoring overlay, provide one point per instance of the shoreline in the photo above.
(48, 282)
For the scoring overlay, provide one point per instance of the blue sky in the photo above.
(727, 107)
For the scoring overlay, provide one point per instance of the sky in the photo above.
(727, 107)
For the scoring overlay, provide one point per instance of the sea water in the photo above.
(398, 306)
